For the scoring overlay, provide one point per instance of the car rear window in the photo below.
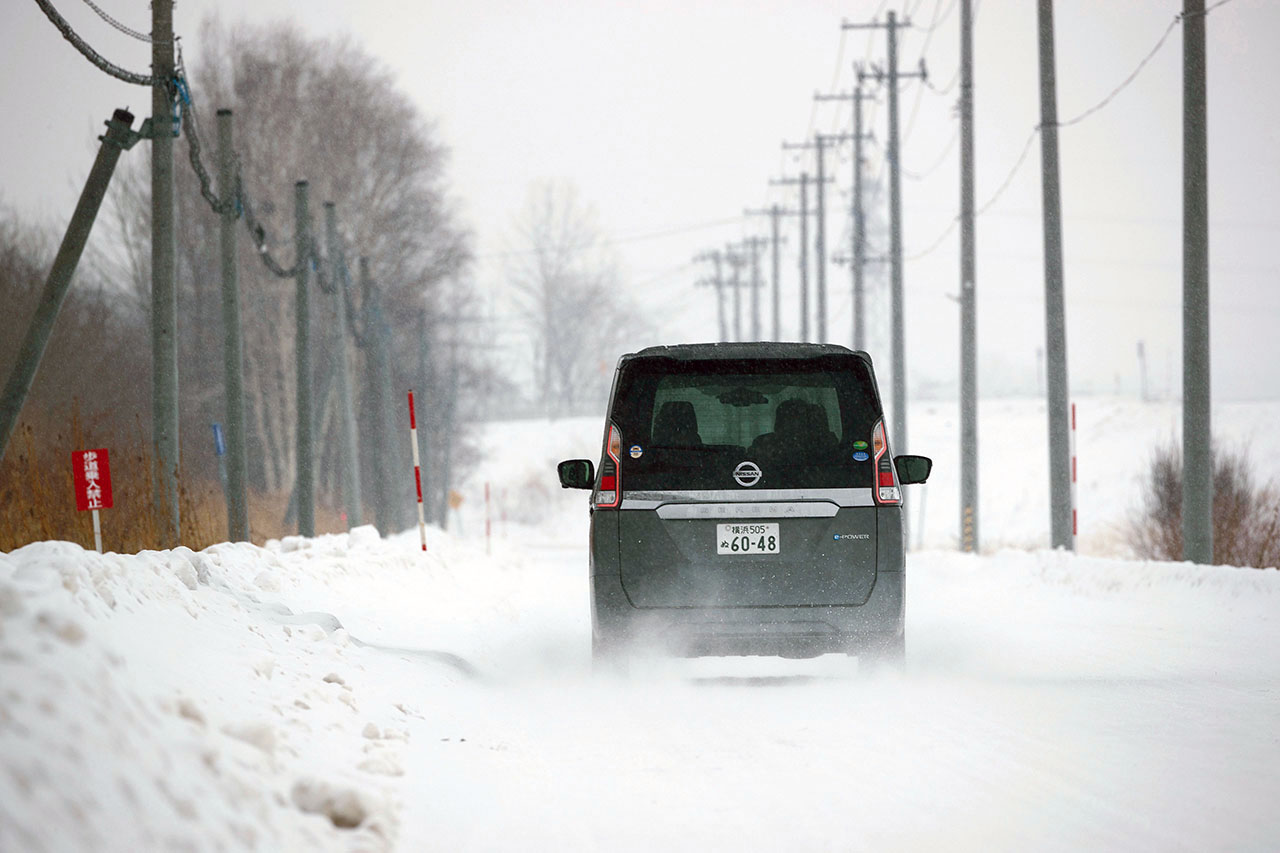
(688, 424)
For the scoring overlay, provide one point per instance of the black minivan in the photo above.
(746, 503)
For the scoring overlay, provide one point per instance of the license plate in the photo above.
(747, 539)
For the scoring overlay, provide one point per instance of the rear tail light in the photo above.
(608, 490)
(888, 490)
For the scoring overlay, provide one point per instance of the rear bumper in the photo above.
(785, 631)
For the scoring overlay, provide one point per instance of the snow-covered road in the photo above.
(1050, 703)
(208, 701)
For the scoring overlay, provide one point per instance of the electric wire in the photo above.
(938, 161)
(129, 31)
(1026, 148)
(88, 52)
(238, 198)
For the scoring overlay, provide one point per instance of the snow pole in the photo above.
(488, 549)
(417, 470)
(1075, 527)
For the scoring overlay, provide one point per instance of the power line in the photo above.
(129, 31)
(635, 238)
(1026, 148)
(88, 52)
(941, 158)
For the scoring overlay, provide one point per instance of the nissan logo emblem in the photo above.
(747, 474)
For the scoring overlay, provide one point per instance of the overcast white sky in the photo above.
(668, 116)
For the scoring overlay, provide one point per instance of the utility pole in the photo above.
(1197, 446)
(379, 400)
(968, 294)
(819, 145)
(119, 137)
(754, 245)
(1054, 300)
(898, 333)
(857, 260)
(804, 256)
(425, 383)
(820, 249)
(450, 412)
(718, 282)
(1143, 393)
(736, 262)
(775, 214)
(350, 443)
(233, 351)
(803, 213)
(305, 474)
(164, 295)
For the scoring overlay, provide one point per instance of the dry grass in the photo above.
(37, 499)
(1246, 516)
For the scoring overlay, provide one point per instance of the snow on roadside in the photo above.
(171, 700)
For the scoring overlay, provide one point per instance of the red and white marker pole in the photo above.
(1075, 526)
(487, 526)
(417, 470)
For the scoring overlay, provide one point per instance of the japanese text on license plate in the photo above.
(747, 539)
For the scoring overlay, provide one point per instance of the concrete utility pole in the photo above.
(1054, 298)
(305, 474)
(424, 382)
(718, 283)
(450, 412)
(350, 442)
(968, 312)
(804, 256)
(119, 136)
(164, 294)
(379, 400)
(1144, 393)
(857, 260)
(1197, 435)
(775, 214)
(819, 146)
(898, 333)
(736, 261)
(820, 248)
(754, 245)
(803, 212)
(233, 351)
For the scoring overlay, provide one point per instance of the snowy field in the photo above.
(351, 693)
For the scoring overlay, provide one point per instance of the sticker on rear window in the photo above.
(859, 445)
(861, 455)
(636, 451)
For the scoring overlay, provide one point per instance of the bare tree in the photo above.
(321, 110)
(565, 281)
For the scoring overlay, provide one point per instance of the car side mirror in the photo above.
(576, 474)
(912, 469)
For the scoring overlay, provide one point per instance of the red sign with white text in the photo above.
(93, 479)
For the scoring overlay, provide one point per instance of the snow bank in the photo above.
(171, 700)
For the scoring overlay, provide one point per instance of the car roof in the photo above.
(737, 351)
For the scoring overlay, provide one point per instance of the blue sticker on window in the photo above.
(861, 455)
(636, 451)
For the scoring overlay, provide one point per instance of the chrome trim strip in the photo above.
(655, 499)
(796, 509)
